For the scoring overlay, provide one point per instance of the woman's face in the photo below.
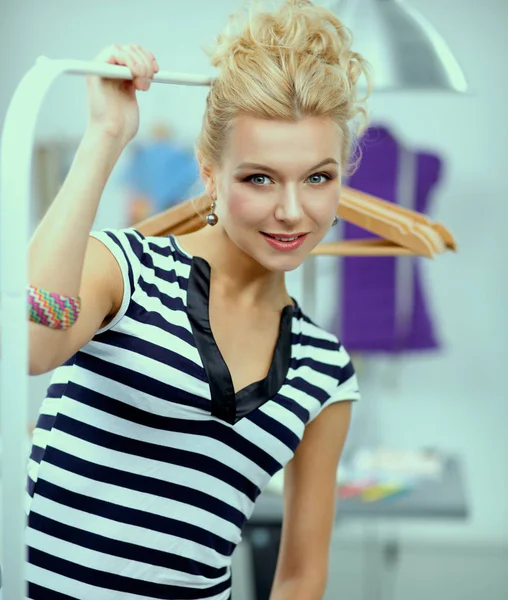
(278, 188)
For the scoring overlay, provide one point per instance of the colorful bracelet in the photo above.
(52, 310)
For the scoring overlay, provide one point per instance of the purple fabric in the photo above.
(367, 322)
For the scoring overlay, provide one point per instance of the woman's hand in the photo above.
(112, 103)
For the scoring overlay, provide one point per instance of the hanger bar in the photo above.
(83, 67)
(438, 233)
(361, 247)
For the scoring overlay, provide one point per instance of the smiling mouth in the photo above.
(284, 238)
(284, 242)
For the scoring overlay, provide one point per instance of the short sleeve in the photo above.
(347, 382)
(128, 248)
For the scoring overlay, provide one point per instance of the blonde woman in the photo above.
(191, 376)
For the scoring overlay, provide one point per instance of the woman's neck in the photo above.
(236, 276)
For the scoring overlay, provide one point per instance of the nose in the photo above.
(289, 207)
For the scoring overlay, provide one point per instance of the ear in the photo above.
(206, 172)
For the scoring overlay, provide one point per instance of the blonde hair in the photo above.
(288, 64)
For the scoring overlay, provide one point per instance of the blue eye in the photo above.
(323, 175)
(263, 180)
(253, 179)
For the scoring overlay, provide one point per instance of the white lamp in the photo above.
(405, 51)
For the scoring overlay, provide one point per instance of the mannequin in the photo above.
(383, 306)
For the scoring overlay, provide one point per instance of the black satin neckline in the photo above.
(226, 405)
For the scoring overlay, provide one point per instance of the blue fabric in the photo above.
(162, 171)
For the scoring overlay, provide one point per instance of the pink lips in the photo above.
(278, 244)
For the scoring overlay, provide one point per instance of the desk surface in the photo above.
(443, 498)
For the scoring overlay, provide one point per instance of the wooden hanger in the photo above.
(400, 231)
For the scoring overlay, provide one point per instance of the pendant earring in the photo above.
(335, 221)
(211, 217)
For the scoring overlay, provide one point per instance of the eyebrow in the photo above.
(249, 165)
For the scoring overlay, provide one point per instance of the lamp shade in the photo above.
(405, 51)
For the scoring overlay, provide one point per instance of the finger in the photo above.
(116, 55)
(140, 58)
(151, 58)
(143, 60)
(124, 55)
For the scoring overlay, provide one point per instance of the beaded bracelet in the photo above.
(51, 309)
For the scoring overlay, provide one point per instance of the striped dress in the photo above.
(145, 464)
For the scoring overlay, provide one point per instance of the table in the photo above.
(443, 498)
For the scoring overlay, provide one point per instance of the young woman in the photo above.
(191, 376)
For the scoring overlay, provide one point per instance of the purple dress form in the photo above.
(371, 316)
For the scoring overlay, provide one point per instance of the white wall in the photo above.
(457, 400)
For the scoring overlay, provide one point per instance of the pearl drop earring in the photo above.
(211, 217)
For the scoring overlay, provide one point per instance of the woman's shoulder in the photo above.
(141, 247)
(318, 344)
(323, 352)
(146, 260)
(313, 334)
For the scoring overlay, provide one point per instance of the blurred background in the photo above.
(423, 485)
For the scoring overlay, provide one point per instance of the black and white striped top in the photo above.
(145, 464)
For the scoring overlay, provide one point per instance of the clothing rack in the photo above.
(402, 233)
